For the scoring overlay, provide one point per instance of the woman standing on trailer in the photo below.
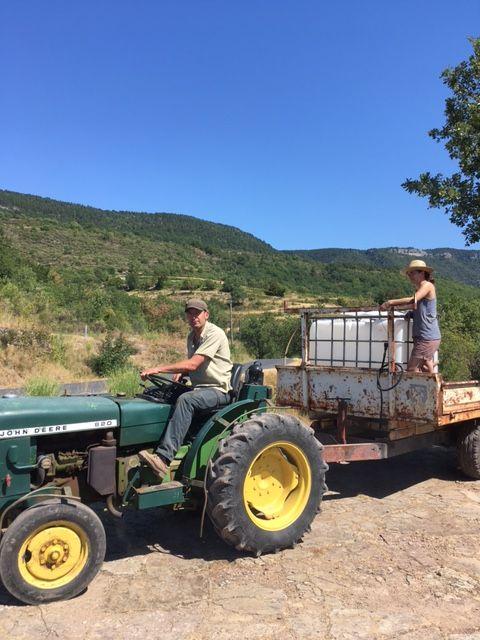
(426, 332)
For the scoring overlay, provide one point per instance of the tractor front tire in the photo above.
(468, 450)
(266, 484)
(51, 552)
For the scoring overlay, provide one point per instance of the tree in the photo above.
(458, 194)
(113, 355)
(267, 336)
(275, 289)
(236, 291)
(132, 281)
(160, 281)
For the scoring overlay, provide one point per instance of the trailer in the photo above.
(366, 406)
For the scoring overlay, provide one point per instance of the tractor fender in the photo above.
(215, 428)
(44, 495)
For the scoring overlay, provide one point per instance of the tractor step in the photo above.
(159, 495)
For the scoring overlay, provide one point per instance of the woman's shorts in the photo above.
(424, 349)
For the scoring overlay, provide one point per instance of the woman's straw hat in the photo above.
(418, 265)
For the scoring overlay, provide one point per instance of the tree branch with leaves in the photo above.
(458, 194)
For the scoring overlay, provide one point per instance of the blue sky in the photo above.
(295, 121)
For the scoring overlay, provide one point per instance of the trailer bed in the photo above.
(417, 404)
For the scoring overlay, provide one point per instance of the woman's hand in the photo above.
(385, 306)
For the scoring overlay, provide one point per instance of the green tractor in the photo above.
(259, 475)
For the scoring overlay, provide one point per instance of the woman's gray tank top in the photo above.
(425, 321)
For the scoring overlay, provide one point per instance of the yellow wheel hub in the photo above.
(277, 486)
(53, 555)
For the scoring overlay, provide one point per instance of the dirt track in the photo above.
(395, 553)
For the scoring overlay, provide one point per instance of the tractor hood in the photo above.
(33, 416)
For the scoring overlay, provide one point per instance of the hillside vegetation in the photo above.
(458, 264)
(66, 266)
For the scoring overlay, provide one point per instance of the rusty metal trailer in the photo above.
(381, 410)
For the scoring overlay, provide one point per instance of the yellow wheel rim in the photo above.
(53, 555)
(277, 486)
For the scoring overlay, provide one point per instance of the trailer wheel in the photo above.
(51, 552)
(266, 485)
(468, 450)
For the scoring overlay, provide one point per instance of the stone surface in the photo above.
(393, 555)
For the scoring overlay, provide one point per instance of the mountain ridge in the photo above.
(458, 264)
(52, 231)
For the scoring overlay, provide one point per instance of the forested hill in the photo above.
(65, 266)
(163, 227)
(458, 264)
(79, 244)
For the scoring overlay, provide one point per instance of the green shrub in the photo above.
(209, 285)
(125, 381)
(229, 285)
(275, 289)
(132, 280)
(113, 355)
(189, 285)
(39, 386)
(236, 291)
(267, 336)
(219, 313)
(59, 350)
(163, 314)
(160, 281)
(34, 339)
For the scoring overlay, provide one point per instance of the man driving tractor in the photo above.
(209, 368)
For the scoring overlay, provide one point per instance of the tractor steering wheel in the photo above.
(160, 381)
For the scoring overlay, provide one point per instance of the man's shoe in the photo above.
(154, 462)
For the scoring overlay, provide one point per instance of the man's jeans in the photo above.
(196, 400)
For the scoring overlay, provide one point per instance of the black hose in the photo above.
(384, 368)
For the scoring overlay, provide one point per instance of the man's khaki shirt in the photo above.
(215, 372)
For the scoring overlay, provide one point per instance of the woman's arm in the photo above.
(403, 303)
(424, 290)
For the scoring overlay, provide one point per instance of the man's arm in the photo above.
(184, 366)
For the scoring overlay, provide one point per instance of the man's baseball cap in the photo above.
(196, 303)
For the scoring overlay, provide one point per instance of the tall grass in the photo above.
(40, 386)
(125, 381)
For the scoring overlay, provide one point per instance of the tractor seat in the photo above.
(236, 382)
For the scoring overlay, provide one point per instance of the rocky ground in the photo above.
(393, 555)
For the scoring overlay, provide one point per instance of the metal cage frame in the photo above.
(309, 315)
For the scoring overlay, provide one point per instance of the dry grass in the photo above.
(157, 349)
(18, 365)
(270, 379)
(69, 361)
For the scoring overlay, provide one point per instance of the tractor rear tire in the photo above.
(468, 450)
(266, 484)
(51, 552)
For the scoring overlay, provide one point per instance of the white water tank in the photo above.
(357, 339)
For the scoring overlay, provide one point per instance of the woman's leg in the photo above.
(414, 364)
(428, 366)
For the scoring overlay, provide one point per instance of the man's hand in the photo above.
(178, 368)
(148, 372)
(385, 306)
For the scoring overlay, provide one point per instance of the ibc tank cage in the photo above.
(355, 337)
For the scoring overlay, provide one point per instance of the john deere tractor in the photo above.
(259, 474)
